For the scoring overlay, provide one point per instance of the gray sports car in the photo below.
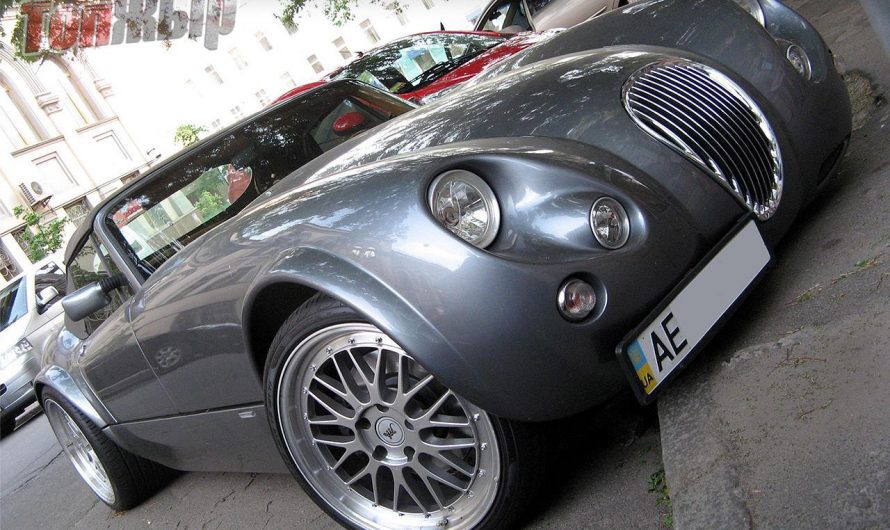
(384, 299)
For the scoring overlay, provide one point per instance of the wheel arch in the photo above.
(58, 379)
(300, 274)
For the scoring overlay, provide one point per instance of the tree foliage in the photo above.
(187, 134)
(40, 240)
(339, 12)
(210, 204)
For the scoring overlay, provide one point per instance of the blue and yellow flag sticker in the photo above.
(644, 371)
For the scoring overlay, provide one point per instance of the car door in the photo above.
(106, 350)
(45, 319)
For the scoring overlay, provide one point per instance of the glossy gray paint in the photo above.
(550, 136)
(221, 447)
(60, 380)
(85, 301)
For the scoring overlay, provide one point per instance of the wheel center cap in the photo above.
(389, 431)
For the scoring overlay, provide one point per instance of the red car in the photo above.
(419, 66)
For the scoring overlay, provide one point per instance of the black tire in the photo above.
(520, 445)
(132, 478)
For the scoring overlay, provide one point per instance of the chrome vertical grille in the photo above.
(701, 113)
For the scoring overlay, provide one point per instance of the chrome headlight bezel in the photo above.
(753, 8)
(622, 222)
(489, 202)
(795, 51)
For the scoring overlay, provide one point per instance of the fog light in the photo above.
(799, 60)
(576, 299)
(609, 223)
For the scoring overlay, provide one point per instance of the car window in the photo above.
(217, 179)
(508, 14)
(13, 303)
(91, 264)
(408, 64)
(536, 5)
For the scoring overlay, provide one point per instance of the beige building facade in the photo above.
(63, 147)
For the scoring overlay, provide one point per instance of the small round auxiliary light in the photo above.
(609, 223)
(799, 60)
(576, 299)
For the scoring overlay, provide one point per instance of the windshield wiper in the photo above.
(439, 69)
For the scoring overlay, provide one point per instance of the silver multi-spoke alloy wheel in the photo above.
(79, 451)
(381, 441)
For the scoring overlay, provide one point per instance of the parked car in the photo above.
(515, 16)
(388, 321)
(425, 66)
(29, 316)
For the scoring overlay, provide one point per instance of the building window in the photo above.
(315, 63)
(370, 32)
(264, 99)
(14, 119)
(73, 97)
(77, 211)
(8, 267)
(236, 112)
(264, 42)
(23, 244)
(211, 71)
(399, 12)
(239, 61)
(341, 46)
(216, 124)
(428, 4)
(288, 81)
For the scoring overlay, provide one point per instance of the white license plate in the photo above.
(688, 317)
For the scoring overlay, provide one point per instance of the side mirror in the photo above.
(46, 296)
(85, 301)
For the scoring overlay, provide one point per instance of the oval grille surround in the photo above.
(701, 113)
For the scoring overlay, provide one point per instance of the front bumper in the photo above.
(18, 388)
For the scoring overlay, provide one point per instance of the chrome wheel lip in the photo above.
(467, 511)
(79, 451)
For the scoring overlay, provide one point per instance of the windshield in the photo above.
(215, 181)
(408, 64)
(13, 303)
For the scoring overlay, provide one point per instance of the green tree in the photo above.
(210, 204)
(40, 240)
(337, 11)
(187, 134)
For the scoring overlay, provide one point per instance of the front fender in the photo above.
(378, 302)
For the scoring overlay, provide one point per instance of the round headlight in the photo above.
(466, 206)
(609, 223)
(799, 60)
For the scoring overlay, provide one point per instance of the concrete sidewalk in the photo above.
(783, 422)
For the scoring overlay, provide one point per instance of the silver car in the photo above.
(514, 16)
(29, 316)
